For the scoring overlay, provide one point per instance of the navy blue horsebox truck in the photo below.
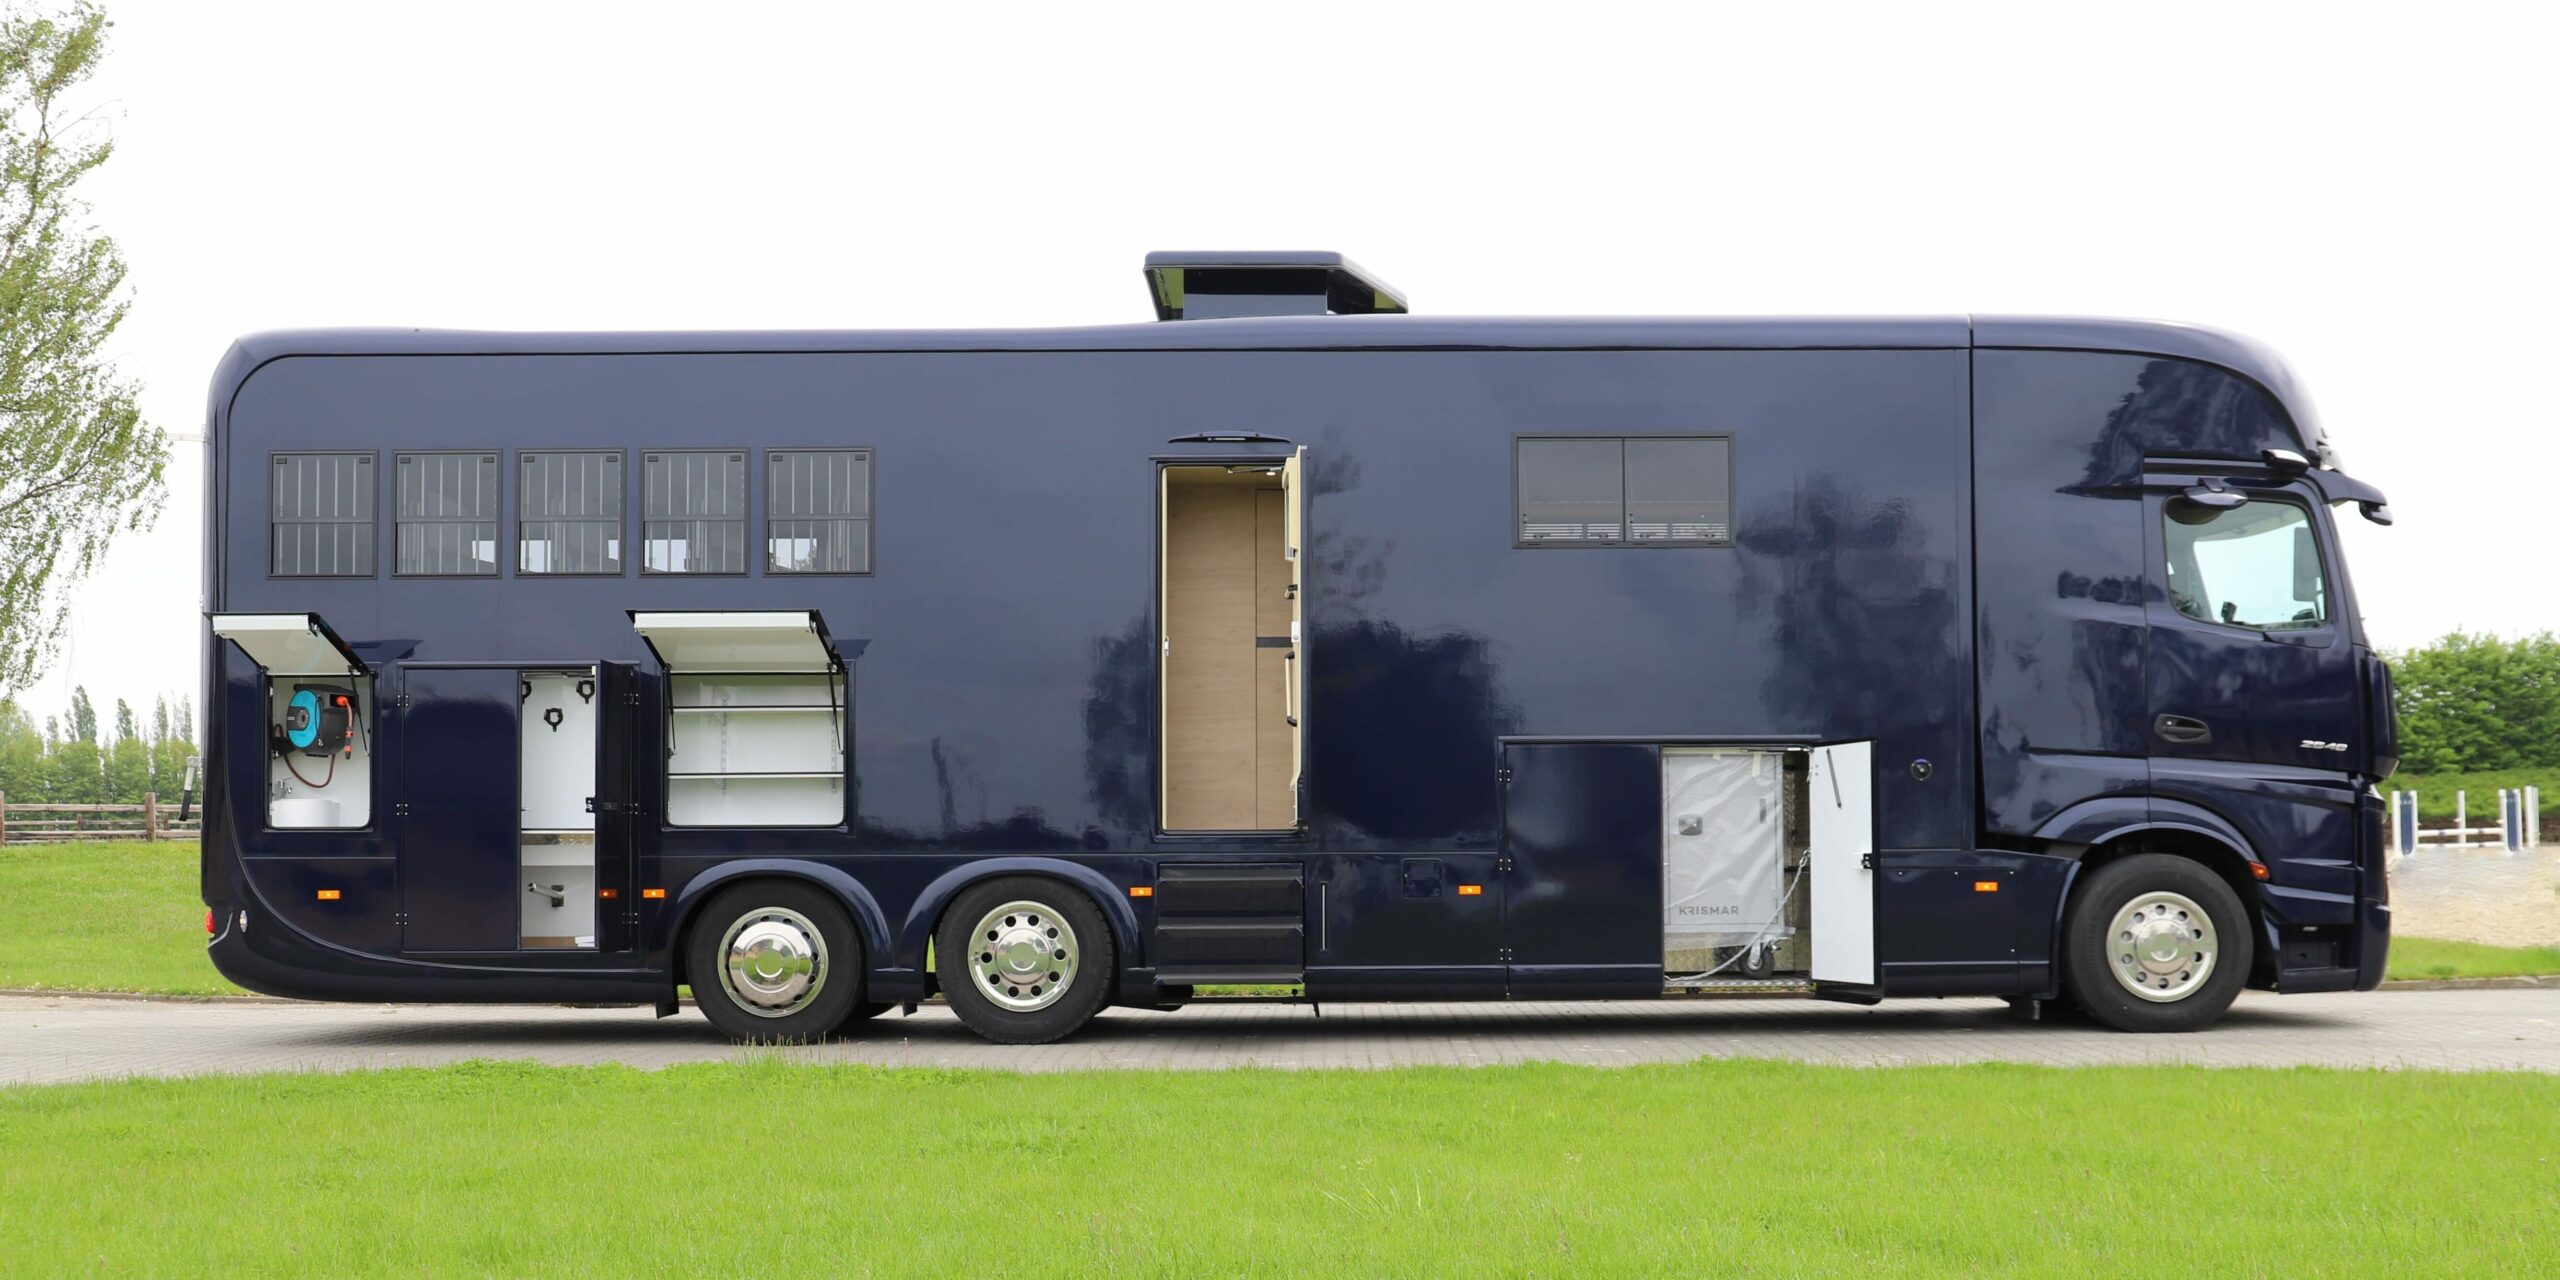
(1294, 640)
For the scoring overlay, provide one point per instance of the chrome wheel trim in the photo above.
(1024, 956)
(773, 962)
(2161, 946)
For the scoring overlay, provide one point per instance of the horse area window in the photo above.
(818, 511)
(446, 508)
(320, 509)
(694, 518)
(570, 513)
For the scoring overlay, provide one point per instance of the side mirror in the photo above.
(2377, 512)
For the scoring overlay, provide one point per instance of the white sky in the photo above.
(2371, 196)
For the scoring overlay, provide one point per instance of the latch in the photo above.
(558, 893)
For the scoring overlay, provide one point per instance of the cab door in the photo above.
(2255, 697)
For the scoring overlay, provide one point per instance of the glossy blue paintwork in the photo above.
(459, 743)
(1940, 548)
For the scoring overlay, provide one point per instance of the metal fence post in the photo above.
(2462, 819)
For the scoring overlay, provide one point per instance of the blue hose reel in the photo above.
(319, 720)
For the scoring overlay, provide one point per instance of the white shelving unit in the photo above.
(755, 749)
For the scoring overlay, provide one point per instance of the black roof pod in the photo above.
(1212, 285)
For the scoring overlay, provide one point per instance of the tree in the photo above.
(128, 765)
(171, 746)
(83, 720)
(21, 754)
(78, 465)
(2473, 703)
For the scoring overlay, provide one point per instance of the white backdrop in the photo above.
(2372, 196)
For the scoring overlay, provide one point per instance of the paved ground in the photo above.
(70, 1038)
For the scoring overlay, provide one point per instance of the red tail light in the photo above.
(208, 920)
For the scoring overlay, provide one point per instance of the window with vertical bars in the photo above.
(1624, 491)
(320, 511)
(445, 509)
(694, 516)
(569, 513)
(818, 511)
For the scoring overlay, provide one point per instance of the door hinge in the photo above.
(1866, 862)
(1502, 864)
(400, 809)
(1502, 774)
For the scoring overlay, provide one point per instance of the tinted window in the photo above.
(1622, 491)
(818, 511)
(321, 506)
(570, 513)
(695, 516)
(1572, 490)
(446, 509)
(1679, 490)
(2255, 565)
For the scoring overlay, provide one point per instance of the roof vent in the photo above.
(1197, 285)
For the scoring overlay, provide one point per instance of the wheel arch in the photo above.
(2110, 831)
(870, 923)
(925, 915)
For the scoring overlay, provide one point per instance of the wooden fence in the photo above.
(50, 823)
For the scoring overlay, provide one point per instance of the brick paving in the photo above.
(48, 1038)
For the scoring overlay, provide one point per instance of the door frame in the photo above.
(1290, 458)
(606, 722)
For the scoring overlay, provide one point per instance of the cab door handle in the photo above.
(2182, 729)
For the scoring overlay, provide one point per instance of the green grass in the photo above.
(107, 916)
(2435, 792)
(1714, 1168)
(2436, 958)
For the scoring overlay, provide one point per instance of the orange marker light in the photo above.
(2258, 869)
(1986, 886)
(608, 894)
(653, 893)
(328, 895)
(1142, 891)
(1470, 891)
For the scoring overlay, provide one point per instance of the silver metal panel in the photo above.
(1723, 848)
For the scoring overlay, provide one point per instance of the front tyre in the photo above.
(2155, 942)
(774, 961)
(1024, 959)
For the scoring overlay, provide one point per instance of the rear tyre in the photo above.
(1024, 959)
(775, 961)
(2155, 942)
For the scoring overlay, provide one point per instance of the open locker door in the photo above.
(1840, 786)
(289, 644)
(1293, 505)
(618, 731)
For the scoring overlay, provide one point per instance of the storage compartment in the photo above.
(320, 750)
(755, 750)
(556, 859)
(1732, 861)
(755, 717)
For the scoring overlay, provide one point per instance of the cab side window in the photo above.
(2256, 565)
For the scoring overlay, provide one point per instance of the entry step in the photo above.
(1739, 987)
(1289, 975)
